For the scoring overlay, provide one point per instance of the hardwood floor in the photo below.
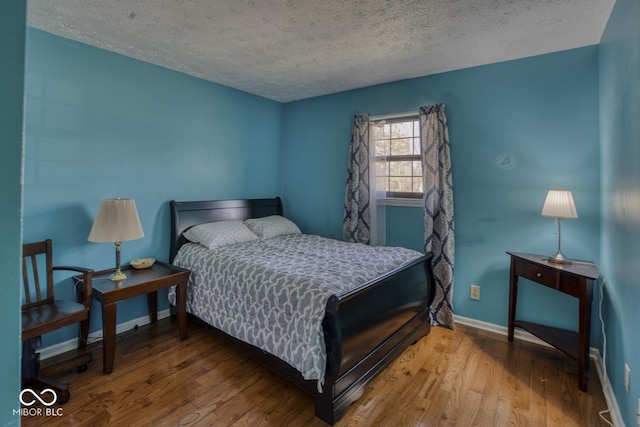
(463, 377)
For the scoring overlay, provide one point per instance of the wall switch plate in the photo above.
(627, 377)
(474, 292)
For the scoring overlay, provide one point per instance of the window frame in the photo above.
(396, 198)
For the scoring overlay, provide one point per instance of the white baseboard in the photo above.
(72, 344)
(501, 330)
(594, 354)
(612, 403)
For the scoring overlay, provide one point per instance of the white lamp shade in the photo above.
(117, 221)
(559, 204)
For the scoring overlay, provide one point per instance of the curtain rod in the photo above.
(394, 116)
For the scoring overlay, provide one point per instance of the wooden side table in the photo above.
(574, 279)
(138, 282)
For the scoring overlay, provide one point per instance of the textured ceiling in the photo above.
(293, 49)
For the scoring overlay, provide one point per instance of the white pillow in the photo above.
(272, 226)
(220, 233)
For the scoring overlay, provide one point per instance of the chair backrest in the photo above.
(32, 253)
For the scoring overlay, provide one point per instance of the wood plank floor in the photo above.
(463, 377)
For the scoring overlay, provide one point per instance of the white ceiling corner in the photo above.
(288, 50)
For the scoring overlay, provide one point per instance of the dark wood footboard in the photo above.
(368, 328)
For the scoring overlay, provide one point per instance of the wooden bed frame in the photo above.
(364, 330)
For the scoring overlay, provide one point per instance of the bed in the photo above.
(362, 329)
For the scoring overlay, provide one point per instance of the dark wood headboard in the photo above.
(188, 214)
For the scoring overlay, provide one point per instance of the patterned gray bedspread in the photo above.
(272, 293)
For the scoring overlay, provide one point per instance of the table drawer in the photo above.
(544, 275)
(571, 285)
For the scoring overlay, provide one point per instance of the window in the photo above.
(398, 166)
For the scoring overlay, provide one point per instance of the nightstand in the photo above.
(138, 282)
(574, 279)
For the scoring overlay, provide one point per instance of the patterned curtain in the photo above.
(356, 225)
(438, 208)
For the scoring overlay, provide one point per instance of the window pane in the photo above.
(416, 128)
(416, 146)
(381, 148)
(386, 131)
(417, 169)
(417, 184)
(400, 168)
(376, 132)
(401, 130)
(401, 146)
(381, 168)
(400, 184)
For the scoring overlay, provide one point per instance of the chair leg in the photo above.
(84, 333)
(30, 359)
(30, 368)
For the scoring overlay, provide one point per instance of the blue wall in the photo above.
(12, 52)
(543, 110)
(620, 139)
(101, 125)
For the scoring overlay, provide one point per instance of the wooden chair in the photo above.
(42, 313)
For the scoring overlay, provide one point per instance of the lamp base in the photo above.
(559, 259)
(117, 276)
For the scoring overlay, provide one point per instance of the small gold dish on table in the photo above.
(141, 263)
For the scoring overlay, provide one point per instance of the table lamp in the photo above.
(117, 221)
(559, 205)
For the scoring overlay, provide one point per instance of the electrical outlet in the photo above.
(474, 292)
(627, 377)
